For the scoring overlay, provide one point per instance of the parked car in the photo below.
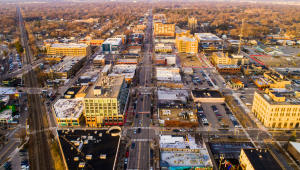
(139, 130)
(127, 153)
(175, 130)
(23, 150)
(133, 145)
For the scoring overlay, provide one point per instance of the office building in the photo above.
(105, 102)
(277, 108)
(224, 58)
(99, 60)
(187, 45)
(259, 159)
(228, 69)
(65, 69)
(125, 70)
(192, 24)
(71, 49)
(184, 152)
(69, 108)
(164, 30)
(112, 45)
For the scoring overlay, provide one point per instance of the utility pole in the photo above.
(241, 36)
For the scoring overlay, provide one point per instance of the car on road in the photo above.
(127, 153)
(147, 115)
(23, 150)
(4, 128)
(26, 108)
(126, 160)
(182, 130)
(191, 130)
(137, 116)
(175, 130)
(139, 130)
(23, 154)
(142, 99)
(133, 145)
(134, 131)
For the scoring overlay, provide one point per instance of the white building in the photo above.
(112, 46)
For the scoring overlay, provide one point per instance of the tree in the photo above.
(19, 47)
(293, 137)
(5, 53)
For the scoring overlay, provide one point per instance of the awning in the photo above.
(120, 123)
(115, 123)
(106, 124)
(110, 123)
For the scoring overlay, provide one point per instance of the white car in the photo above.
(238, 126)
(134, 131)
(190, 130)
(182, 130)
(26, 108)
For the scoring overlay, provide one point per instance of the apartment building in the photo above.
(192, 24)
(105, 102)
(164, 30)
(187, 45)
(183, 33)
(71, 49)
(277, 108)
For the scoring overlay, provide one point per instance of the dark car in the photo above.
(175, 130)
(4, 128)
(147, 115)
(142, 99)
(20, 91)
(22, 150)
(23, 154)
(230, 137)
(136, 116)
(139, 130)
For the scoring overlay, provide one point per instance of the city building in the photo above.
(294, 149)
(192, 24)
(207, 96)
(69, 109)
(99, 60)
(177, 117)
(184, 152)
(187, 45)
(9, 91)
(235, 84)
(112, 45)
(92, 42)
(277, 108)
(159, 16)
(259, 159)
(11, 82)
(71, 49)
(208, 39)
(277, 80)
(65, 69)
(50, 41)
(165, 59)
(228, 69)
(134, 49)
(106, 101)
(163, 48)
(183, 33)
(164, 30)
(53, 59)
(106, 70)
(254, 69)
(88, 149)
(128, 71)
(260, 82)
(268, 50)
(168, 77)
(124, 38)
(224, 58)
(127, 61)
(6, 116)
(136, 39)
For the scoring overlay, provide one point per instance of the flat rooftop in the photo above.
(95, 147)
(125, 70)
(113, 41)
(71, 92)
(207, 36)
(220, 54)
(168, 104)
(222, 66)
(128, 60)
(7, 90)
(168, 74)
(260, 80)
(262, 159)
(66, 64)
(180, 31)
(110, 85)
(172, 95)
(207, 94)
(290, 98)
(183, 115)
(69, 45)
(5, 114)
(186, 39)
(100, 57)
(230, 150)
(163, 56)
(68, 108)
(199, 158)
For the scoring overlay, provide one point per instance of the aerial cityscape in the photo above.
(149, 85)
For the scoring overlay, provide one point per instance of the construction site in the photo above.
(277, 61)
(188, 60)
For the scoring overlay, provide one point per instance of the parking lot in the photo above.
(248, 84)
(188, 60)
(200, 81)
(213, 120)
(17, 160)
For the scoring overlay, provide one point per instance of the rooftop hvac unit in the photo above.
(103, 156)
(76, 158)
(86, 142)
(88, 157)
(81, 165)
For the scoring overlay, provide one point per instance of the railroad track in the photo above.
(40, 157)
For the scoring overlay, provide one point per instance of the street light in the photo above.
(257, 135)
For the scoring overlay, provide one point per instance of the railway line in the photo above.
(39, 152)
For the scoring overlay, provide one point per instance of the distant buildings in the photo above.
(259, 159)
(71, 49)
(164, 30)
(187, 45)
(268, 50)
(105, 102)
(277, 108)
(192, 24)
(112, 45)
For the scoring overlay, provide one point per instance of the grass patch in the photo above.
(56, 158)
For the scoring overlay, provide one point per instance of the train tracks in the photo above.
(40, 156)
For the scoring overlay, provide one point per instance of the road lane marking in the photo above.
(7, 149)
(139, 156)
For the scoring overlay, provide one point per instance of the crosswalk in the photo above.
(140, 127)
(140, 140)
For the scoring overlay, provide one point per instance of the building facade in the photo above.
(165, 30)
(112, 46)
(72, 49)
(228, 69)
(187, 45)
(192, 24)
(235, 84)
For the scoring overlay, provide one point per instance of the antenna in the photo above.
(241, 36)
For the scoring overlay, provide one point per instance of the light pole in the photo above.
(257, 135)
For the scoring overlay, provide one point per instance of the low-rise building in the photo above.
(268, 50)
(168, 77)
(208, 39)
(277, 108)
(259, 159)
(128, 71)
(53, 59)
(187, 45)
(164, 29)
(106, 101)
(134, 49)
(11, 82)
(228, 69)
(65, 69)
(99, 60)
(9, 91)
(254, 69)
(50, 41)
(184, 152)
(127, 61)
(106, 70)
(165, 59)
(112, 45)
(163, 48)
(6, 116)
(177, 117)
(277, 80)
(294, 149)
(136, 38)
(207, 96)
(124, 38)
(183, 33)
(235, 84)
(92, 42)
(71, 49)
(224, 58)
